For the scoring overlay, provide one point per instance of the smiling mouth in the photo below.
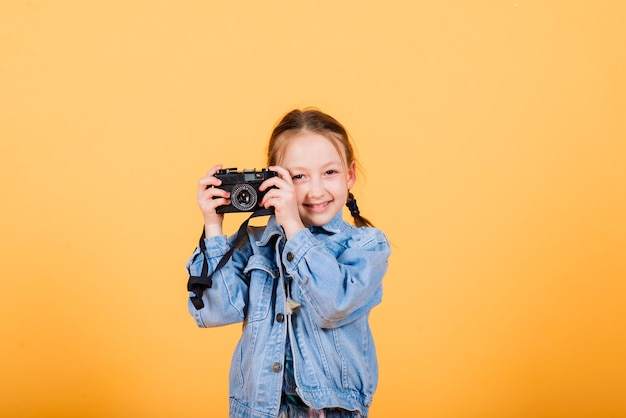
(317, 206)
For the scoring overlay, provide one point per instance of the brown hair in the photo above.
(314, 120)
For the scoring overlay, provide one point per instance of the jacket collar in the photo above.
(273, 228)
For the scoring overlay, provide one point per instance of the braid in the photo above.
(359, 220)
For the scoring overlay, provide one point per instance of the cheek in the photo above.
(340, 190)
(300, 194)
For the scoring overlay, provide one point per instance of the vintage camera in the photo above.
(244, 188)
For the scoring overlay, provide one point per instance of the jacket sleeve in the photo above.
(341, 280)
(225, 300)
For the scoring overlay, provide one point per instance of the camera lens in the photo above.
(243, 197)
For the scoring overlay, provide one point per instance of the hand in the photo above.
(209, 198)
(281, 195)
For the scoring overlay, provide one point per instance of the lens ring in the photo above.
(243, 197)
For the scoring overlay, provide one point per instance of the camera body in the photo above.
(243, 187)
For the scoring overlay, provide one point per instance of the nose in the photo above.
(316, 187)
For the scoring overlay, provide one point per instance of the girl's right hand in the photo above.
(209, 198)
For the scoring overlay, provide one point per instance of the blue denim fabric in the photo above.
(335, 273)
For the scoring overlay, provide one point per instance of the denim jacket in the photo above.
(318, 288)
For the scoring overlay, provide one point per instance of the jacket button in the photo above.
(290, 257)
(280, 317)
(277, 367)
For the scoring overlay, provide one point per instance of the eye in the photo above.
(298, 177)
(330, 172)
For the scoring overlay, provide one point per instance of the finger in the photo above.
(282, 172)
(208, 183)
(214, 193)
(271, 194)
(270, 202)
(214, 198)
(209, 179)
(277, 181)
(214, 169)
(216, 202)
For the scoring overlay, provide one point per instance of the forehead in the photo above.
(313, 147)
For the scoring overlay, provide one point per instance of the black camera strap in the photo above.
(198, 284)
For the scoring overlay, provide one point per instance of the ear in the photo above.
(351, 175)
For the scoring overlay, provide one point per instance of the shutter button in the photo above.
(290, 257)
(277, 367)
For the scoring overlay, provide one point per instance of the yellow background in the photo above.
(492, 136)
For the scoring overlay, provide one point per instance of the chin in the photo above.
(318, 221)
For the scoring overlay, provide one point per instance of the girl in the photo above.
(303, 285)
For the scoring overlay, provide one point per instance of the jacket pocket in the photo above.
(262, 274)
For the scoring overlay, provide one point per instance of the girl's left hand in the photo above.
(281, 195)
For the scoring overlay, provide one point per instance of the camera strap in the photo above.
(198, 284)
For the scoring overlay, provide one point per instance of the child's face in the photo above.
(320, 177)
